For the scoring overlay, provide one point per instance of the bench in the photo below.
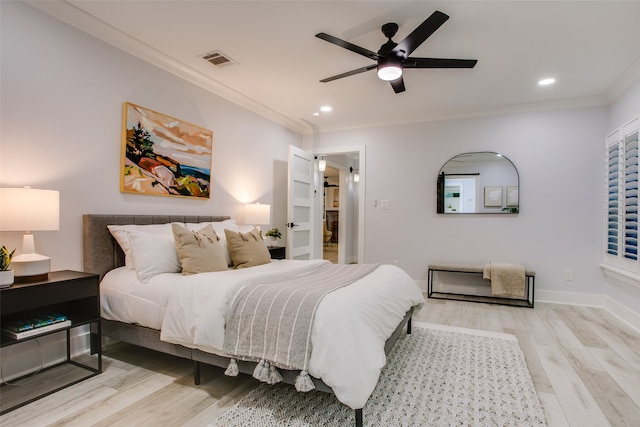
(477, 270)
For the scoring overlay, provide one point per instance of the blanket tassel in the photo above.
(232, 369)
(261, 372)
(304, 382)
(274, 375)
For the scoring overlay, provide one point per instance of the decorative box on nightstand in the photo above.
(278, 252)
(72, 294)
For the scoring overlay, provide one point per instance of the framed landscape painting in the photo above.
(162, 155)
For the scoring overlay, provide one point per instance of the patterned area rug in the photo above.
(437, 376)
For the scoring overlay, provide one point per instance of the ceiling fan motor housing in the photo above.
(390, 29)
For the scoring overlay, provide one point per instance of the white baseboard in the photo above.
(575, 298)
(618, 310)
(623, 313)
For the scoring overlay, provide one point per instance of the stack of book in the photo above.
(19, 329)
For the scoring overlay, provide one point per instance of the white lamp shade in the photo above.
(257, 214)
(28, 209)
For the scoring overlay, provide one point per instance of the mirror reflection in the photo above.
(481, 182)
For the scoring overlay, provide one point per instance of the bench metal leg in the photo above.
(533, 290)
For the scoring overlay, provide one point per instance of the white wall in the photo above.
(558, 155)
(62, 96)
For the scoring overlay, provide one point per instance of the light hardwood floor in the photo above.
(584, 362)
(330, 252)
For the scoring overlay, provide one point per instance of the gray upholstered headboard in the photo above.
(100, 251)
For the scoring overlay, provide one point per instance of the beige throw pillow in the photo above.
(199, 251)
(247, 249)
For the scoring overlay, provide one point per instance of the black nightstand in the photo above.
(72, 293)
(278, 252)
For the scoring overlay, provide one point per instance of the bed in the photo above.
(354, 325)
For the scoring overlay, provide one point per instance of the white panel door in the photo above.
(299, 204)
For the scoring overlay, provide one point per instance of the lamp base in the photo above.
(30, 267)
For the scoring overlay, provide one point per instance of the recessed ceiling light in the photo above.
(325, 108)
(316, 114)
(547, 81)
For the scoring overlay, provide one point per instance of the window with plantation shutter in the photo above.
(613, 197)
(621, 199)
(631, 197)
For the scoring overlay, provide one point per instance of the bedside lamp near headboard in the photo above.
(26, 209)
(257, 214)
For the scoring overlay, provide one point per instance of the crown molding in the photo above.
(624, 82)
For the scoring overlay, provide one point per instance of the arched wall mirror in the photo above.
(481, 182)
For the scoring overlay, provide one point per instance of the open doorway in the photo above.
(330, 214)
(339, 203)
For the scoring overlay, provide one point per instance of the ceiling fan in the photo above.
(393, 57)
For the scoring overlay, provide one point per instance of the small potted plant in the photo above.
(6, 275)
(274, 234)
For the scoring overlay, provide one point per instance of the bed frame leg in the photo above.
(358, 413)
(196, 372)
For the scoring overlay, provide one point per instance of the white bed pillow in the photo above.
(154, 254)
(121, 234)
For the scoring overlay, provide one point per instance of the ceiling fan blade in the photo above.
(397, 85)
(438, 63)
(349, 73)
(421, 33)
(349, 46)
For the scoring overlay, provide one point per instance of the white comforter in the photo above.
(349, 331)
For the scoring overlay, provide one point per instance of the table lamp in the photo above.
(27, 209)
(257, 214)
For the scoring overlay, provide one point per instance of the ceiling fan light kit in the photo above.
(389, 70)
(393, 57)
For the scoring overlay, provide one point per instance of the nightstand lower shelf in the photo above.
(31, 387)
(76, 296)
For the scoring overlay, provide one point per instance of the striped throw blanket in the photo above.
(271, 322)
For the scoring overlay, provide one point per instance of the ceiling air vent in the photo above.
(218, 59)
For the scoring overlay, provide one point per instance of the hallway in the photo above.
(330, 252)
